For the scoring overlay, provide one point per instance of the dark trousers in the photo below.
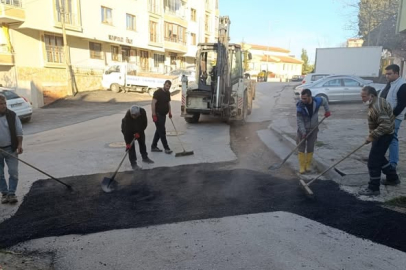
(160, 132)
(378, 163)
(143, 149)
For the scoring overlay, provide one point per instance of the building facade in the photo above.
(154, 35)
(276, 61)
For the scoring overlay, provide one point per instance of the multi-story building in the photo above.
(276, 61)
(155, 35)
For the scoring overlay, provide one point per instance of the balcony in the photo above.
(72, 21)
(175, 44)
(11, 11)
(6, 59)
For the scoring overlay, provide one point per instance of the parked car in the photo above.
(340, 87)
(312, 77)
(297, 78)
(20, 105)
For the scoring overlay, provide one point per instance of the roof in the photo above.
(267, 48)
(280, 59)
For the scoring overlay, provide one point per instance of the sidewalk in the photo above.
(338, 136)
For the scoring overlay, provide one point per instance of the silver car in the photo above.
(20, 105)
(340, 87)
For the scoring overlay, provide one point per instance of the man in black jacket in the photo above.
(133, 126)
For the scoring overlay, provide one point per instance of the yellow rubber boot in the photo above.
(309, 159)
(302, 162)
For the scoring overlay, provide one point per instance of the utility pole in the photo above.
(69, 71)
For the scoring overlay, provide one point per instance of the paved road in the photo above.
(276, 240)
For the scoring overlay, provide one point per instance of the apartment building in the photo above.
(275, 60)
(154, 35)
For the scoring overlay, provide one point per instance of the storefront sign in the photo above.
(120, 39)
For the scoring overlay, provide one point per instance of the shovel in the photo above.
(109, 184)
(279, 165)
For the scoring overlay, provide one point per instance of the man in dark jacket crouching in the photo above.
(133, 126)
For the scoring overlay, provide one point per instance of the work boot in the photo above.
(155, 149)
(12, 198)
(391, 182)
(4, 198)
(168, 151)
(302, 162)
(369, 192)
(147, 160)
(309, 159)
(135, 167)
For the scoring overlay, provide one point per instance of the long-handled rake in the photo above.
(184, 153)
(35, 168)
(305, 185)
(279, 165)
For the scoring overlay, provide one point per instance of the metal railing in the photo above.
(70, 19)
(55, 54)
(16, 3)
(175, 40)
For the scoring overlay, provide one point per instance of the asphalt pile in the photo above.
(183, 193)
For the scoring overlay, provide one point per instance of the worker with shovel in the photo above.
(133, 126)
(307, 120)
(161, 106)
(381, 122)
(11, 141)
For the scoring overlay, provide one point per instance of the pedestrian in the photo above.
(307, 110)
(381, 122)
(395, 95)
(133, 126)
(161, 106)
(11, 141)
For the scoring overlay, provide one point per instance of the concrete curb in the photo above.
(318, 164)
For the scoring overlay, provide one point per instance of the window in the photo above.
(114, 53)
(193, 14)
(95, 50)
(67, 10)
(175, 33)
(175, 7)
(333, 83)
(236, 66)
(130, 22)
(158, 59)
(153, 6)
(16, 3)
(351, 83)
(318, 77)
(153, 31)
(54, 48)
(206, 23)
(193, 38)
(106, 15)
(206, 40)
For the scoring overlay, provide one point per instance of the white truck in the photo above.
(122, 77)
(357, 61)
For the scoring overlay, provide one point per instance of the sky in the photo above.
(290, 24)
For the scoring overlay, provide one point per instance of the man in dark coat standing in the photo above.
(133, 126)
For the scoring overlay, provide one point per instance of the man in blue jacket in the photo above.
(133, 126)
(307, 118)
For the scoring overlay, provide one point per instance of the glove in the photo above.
(170, 115)
(369, 140)
(127, 146)
(327, 114)
(154, 118)
(136, 136)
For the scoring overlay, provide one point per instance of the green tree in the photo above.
(306, 68)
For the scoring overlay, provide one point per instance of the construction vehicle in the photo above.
(220, 88)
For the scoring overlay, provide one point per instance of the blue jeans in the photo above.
(12, 165)
(394, 145)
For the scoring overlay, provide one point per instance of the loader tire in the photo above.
(194, 119)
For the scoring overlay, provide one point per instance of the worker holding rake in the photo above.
(307, 121)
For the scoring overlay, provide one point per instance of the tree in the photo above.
(306, 68)
(371, 14)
